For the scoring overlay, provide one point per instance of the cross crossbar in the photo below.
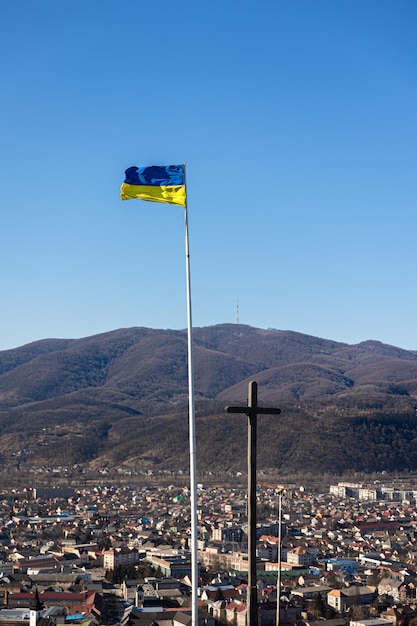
(248, 410)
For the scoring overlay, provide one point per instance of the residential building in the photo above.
(116, 557)
(301, 556)
(343, 599)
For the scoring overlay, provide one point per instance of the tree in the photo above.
(111, 607)
(319, 605)
(219, 594)
(109, 575)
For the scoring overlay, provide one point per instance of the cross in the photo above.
(252, 410)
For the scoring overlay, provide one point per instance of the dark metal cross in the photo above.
(252, 411)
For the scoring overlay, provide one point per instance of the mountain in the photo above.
(121, 397)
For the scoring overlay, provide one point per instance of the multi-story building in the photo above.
(301, 556)
(116, 557)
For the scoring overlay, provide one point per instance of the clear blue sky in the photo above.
(298, 123)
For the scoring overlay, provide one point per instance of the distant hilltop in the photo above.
(121, 398)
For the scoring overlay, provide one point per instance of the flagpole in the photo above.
(192, 433)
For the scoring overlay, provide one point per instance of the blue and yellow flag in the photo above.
(157, 183)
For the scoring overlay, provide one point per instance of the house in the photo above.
(134, 616)
(343, 599)
(267, 548)
(235, 613)
(85, 602)
(340, 621)
(310, 593)
(399, 614)
(301, 556)
(390, 587)
(220, 592)
(375, 621)
(39, 563)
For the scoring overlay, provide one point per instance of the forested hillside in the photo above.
(121, 398)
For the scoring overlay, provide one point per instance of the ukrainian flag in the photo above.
(157, 183)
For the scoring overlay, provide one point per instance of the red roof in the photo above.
(51, 596)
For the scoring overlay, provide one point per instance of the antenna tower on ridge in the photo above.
(237, 311)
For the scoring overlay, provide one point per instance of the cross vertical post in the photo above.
(252, 410)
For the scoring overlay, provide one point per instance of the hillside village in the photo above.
(119, 554)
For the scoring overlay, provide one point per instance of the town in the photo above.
(119, 553)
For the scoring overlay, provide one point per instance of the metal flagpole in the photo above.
(278, 615)
(192, 434)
